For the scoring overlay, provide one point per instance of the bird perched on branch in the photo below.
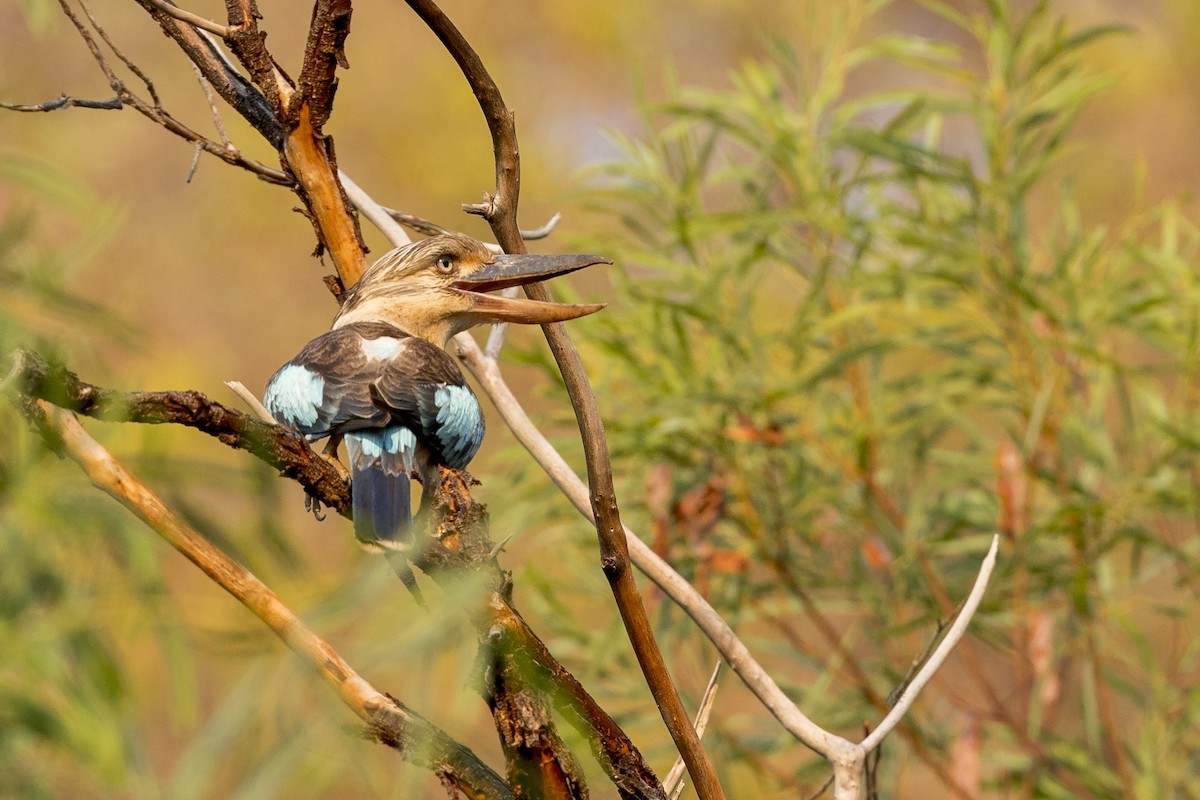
(381, 379)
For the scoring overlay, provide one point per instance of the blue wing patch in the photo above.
(459, 424)
(295, 396)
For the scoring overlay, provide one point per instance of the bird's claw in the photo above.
(312, 504)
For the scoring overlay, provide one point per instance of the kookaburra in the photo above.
(381, 380)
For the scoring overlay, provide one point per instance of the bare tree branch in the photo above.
(218, 123)
(324, 52)
(378, 216)
(153, 111)
(501, 214)
(428, 228)
(387, 720)
(673, 784)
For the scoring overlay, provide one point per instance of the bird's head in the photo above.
(436, 288)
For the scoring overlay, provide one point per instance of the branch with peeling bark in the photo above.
(151, 109)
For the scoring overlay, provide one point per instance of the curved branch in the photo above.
(386, 719)
(939, 656)
(501, 213)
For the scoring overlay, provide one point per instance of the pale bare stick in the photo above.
(939, 656)
(192, 19)
(248, 397)
(673, 784)
(378, 217)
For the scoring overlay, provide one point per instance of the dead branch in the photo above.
(153, 110)
(66, 101)
(428, 228)
(288, 115)
(500, 210)
(386, 719)
(324, 52)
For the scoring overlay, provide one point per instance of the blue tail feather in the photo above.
(379, 490)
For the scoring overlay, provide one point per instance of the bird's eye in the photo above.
(445, 264)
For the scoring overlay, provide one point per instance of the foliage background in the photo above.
(827, 323)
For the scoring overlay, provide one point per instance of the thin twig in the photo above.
(429, 228)
(66, 101)
(248, 397)
(218, 123)
(377, 215)
(495, 340)
(673, 784)
(152, 111)
(190, 18)
(124, 59)
(387, 720)
(205, 51)
(196, 151)
(614, 552)
(935, 661)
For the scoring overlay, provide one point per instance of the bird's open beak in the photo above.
(517, 270)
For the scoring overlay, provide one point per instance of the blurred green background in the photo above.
(865, 267)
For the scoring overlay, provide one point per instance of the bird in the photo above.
(381, 380)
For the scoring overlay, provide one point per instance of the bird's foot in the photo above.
(332, 459)
(312, 504)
